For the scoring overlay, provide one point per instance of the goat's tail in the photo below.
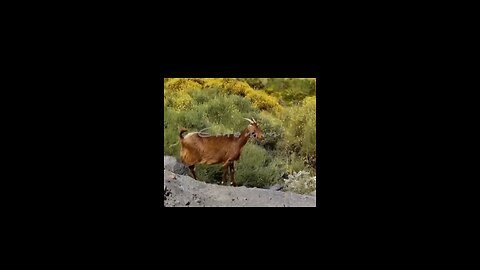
(182, 130)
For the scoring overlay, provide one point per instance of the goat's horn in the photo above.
(255, 121)
(251, 122)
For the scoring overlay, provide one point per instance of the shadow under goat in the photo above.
(200, 148)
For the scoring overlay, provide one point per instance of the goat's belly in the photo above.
(210, 161)
(188, 159)
(213, 158)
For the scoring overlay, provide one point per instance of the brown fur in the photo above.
(225, 149)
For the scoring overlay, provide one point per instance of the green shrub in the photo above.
(170, 136)
(310, 128)
(255, 83)
(170, 145)
(299, 140)
(203, 96)
(254, 170)
(291, 91)
(243, 105)
(291, 162)
(209, 173)
(272, 129)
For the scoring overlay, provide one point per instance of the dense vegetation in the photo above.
(284, 108)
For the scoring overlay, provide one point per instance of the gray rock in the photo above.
(184, 191)
(173, 165)
(276, 187)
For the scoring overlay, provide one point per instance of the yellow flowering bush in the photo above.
(263, 101)
(180, 84)
(182, 101)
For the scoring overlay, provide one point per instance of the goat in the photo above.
(201, 148)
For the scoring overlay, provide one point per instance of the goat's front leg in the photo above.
(224, 176)
(232, 174)
(226, 169)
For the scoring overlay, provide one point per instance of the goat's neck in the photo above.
(244, 136)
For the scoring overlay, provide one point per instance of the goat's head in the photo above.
(254, 130)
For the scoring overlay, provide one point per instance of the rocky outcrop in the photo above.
(184, 191)
(173, 165)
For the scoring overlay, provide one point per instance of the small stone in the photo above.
(188, 202)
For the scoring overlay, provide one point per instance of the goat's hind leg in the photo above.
(192, 170)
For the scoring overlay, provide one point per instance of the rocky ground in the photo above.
(180, 190)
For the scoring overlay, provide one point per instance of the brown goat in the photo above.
(200, 148)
